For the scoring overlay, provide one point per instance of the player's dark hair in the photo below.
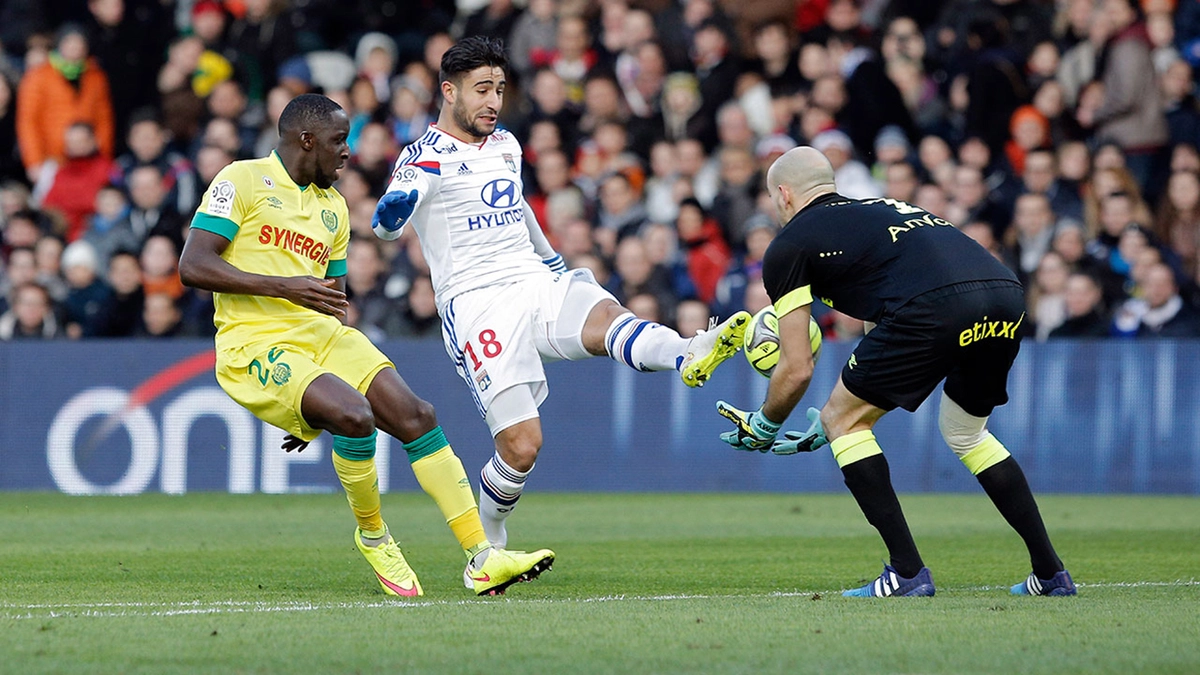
(470, 53)
(306, 112)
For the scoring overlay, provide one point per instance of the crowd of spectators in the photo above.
(1061, 135)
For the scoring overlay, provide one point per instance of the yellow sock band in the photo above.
(853, 447)
(362, 490)
(987, 454)
(442, 477)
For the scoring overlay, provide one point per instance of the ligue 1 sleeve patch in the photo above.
(220, 199)
(405, 175)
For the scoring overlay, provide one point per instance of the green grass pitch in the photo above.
(643, 584)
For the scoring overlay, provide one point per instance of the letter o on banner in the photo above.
(61, 442)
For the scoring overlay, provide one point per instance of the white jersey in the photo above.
(471, 216)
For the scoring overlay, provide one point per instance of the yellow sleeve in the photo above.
(341, 242)
(223, 206)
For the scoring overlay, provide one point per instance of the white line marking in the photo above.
(146, 609)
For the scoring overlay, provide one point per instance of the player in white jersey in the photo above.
(506, 299)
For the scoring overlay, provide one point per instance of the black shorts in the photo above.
(966, 334)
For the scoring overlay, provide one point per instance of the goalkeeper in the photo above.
(945, 309)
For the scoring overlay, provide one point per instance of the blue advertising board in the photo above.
(126, 417)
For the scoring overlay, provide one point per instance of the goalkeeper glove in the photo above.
(393, 210)
(555, 263)
(754, 431)
(806, 441)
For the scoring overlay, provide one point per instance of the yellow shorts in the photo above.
(269, 378)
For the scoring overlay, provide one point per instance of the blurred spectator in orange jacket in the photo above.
(70, 87)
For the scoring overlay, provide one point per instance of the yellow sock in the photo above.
(441, 475)
(354, 461)
(854, 447)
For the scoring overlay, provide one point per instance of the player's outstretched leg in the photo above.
(710, 348)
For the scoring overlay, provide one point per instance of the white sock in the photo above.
(644, 345)
(500, 487)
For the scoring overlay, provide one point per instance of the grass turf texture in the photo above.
(643, 584)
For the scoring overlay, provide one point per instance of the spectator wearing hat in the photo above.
(1029, 130)
(681, 117)
(86, 292)
(375, 56)
(771, 148)
(853, 178)
(891, 146)
(70, 87)
(621, 209)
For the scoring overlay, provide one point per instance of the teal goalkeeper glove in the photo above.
(393, 210)
(754, 431)
(806, 441)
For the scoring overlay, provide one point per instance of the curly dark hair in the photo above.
(470, 53)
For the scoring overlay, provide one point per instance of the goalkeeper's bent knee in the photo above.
(968, 437)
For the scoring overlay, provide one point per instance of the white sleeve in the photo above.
(540, 243)
(424, 177)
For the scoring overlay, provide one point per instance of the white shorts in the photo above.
(499, 337)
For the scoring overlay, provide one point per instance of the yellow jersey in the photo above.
(275, 228)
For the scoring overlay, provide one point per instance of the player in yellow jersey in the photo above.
(270, 240)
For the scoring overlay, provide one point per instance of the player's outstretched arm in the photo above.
(393, 211)
(794, 371)
(201, 266)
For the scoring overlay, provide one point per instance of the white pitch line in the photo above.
(151, 609)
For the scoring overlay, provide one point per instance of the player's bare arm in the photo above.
(794, 371)
(201, 266)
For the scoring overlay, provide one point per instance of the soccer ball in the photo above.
(761, 341)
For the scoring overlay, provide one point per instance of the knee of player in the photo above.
(423, 415)
(834, 425)
(355, 419)
(962, 431)
(520, 451)
(523, 456)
